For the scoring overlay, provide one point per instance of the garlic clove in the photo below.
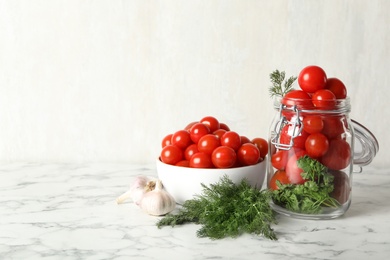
(138, 188)
(158, 201)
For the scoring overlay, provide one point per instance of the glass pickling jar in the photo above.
(313, 154)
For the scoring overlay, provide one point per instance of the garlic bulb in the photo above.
(138, 188)
(158, 201)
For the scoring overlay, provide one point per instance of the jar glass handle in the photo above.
(367, 146)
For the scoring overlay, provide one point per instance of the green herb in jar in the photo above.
(226, 209)
(313, 195)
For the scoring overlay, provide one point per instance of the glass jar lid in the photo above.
(366, 145)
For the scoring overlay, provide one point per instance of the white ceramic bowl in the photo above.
(184, 182)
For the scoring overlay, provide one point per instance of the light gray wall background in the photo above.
(87, 81)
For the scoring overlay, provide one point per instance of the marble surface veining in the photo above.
(68, 211)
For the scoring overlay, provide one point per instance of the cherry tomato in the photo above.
(311, 79)
(299, 98)
(248, 154)
(337, 87)
(338, 155)
(244, 139)
(324, 99)
(316, 145)
(197, 131)
(201, 160)
(219, 133)
(166, 140)
(171, 154)
(313, 124)
(279, 159)
(211, 122)
(224, 157)
(208, 143)
(292, 170)
(183, 163)
(280, 176)
(342, 186)
(334, 126)
(181, 139)
(288, 131)
(188, 127)
(262, 145)
(224, 126)
(190, 151)
(231, 139)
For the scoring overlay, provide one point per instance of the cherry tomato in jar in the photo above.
(313, 124)
(280, 176)
(337, 87)
(197, 131)
(224, 157)
(298, 141)
(181, 139)
(292, 170)
(338, 155)
(334, 126)
(324, 99)
(316, 145)
(171, 154)
(299, 98)
(166, 140)
(201, 160)
(190, 151)
(248, 154)
(342, 186)
(231, 139)
(262, 145)
(279, 159)
(208, 143)
(312, 78)
(211, 122)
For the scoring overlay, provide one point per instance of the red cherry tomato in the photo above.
(262, 145)
(197, 131)
(231, 139)
(337, 87)
(188, 127)
(313, 124)
(324, 99)
(288, 131)
(224, 157)
(201, 160)
(183, 163)
(292, 170)
(171, 154)
(224, 126)
(316, 145)
(248, 154)
(312, 78)
(166, 140)
(244, 140)
(299, 98)
(208, 143)
(279, 159)
(334, 126)
(211, 122)
(280, 176)
(181, 139)
(190, 151)
(338, 155)
(219, 133)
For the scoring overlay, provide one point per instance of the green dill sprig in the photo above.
(313, 195)
(226, 209)
(280, 86)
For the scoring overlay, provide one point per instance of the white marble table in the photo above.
(68, 211)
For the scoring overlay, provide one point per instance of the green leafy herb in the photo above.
(311, 196)
(280, 86)
(226, 209)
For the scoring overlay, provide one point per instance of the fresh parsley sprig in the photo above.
(226, 209)
(280, 86)
(313, 195)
